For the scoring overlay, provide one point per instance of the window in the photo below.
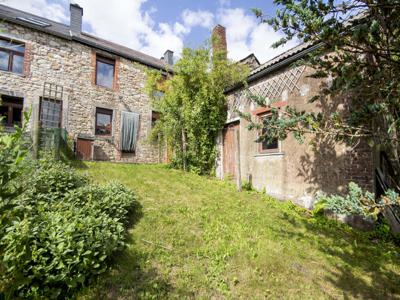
(11, 111)
(105, 69)
(268, 146)
(103, 121)
(12, 56)
(155, 116)
(50, 113)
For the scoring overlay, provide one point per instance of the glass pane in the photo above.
(105, 74)
(103, 124)
(12, 45)
(4, 58)
(18, 64)
(4, 115)
(17, 116)
(269, 145)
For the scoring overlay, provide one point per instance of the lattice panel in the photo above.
(271, 89)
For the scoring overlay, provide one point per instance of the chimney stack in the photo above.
(169, 57)
(76, 18)
(219, 40)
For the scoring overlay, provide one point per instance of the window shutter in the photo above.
(129, 131)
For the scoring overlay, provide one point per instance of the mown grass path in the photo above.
(197, 238)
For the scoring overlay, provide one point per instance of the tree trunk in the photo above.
(184, 150)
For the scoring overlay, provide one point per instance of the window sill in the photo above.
(270, 154)
(105, 88)
(108, 138)
(10, 72)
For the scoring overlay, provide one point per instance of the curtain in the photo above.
(129, 131)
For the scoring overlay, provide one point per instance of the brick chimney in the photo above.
(218, 39)
(76, 18)
(169, 57)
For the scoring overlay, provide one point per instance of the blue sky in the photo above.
(153, 26)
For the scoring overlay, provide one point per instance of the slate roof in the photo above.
(63, 31)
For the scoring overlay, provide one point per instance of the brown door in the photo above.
(84, 149)
(230, 148)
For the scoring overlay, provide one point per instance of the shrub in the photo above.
(68, 230)
(356, 202)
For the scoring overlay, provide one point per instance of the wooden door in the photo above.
(230, 149)
(84, 149)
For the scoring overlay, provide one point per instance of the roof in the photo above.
(278, 62)
(63, 31)
(295, 50)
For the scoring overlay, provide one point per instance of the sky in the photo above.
(153, 26)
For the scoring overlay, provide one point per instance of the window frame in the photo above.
(104, 111)
(108, 61)
(261, 117)
(11, 54)
(10, 117)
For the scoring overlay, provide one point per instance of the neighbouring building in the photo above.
(286, 169)
(91, 88)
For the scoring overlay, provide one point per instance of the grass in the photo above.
(199, 238)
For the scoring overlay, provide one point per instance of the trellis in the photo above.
(270, 89)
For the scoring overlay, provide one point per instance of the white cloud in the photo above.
(202, 18)
(127, 23)
(245, 35)
(53, 11)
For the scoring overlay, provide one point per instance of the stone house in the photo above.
(92, 88)
(286, 169)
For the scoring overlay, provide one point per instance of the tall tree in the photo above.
(359, 55)
(193, 106)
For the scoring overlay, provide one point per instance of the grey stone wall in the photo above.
(72, 65)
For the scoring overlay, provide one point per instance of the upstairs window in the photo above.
(11, 111)
(12, 56)
(268, 146)
(104, 121)
(105, 71)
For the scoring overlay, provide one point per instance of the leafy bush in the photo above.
(356, 202)
(67, 231)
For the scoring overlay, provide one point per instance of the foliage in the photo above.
(193, 106)
(356, 202)
(358, 57)
(12, 154)
(64, 233)
(199, 238)
(247, 186)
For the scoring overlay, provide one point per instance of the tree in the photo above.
(359, 52)
(193, 106)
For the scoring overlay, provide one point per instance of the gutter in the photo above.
(275, 67)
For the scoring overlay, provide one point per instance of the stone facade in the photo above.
(72, 65)
(295, 171)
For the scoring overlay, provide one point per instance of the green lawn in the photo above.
(199, 238)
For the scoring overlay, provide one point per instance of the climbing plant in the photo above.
(192, 106)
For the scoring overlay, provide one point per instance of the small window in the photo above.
(12, 56)
(268, 146)
(11, 111)
(104, 121)
(105, 69)
(50, 113)
(155, 116)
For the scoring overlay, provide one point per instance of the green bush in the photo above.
(68, 230)
(356, 202)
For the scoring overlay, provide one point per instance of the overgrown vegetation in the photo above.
(200, 239)
(356, 202)
(193, 106)
(57, 229)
